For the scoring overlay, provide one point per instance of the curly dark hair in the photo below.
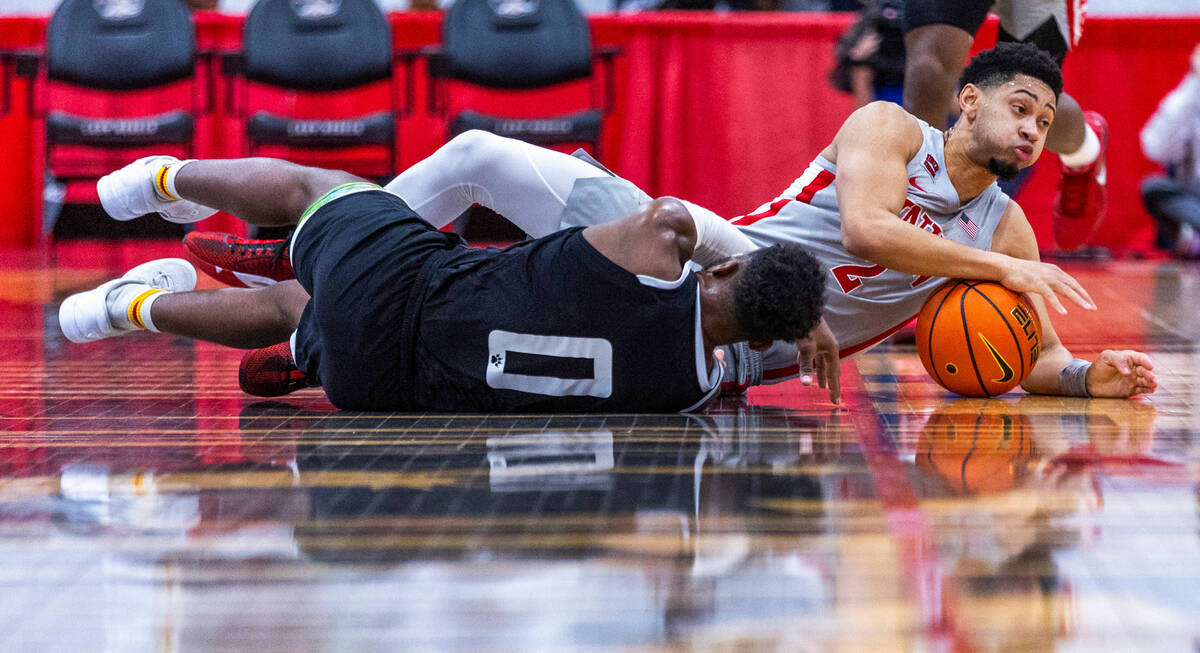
(779, 294)
(1001, 64)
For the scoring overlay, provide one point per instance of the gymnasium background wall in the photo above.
(723, 109)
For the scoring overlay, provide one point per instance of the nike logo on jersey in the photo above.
(1006, 370)
(912, 181)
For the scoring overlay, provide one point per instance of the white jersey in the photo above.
(865, 302)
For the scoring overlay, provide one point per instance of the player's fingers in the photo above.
(1141, 360)
(1119, 360)
(806, 350)
(1052, 299)
(1073, 283)
(1077, 295)
(835, 381)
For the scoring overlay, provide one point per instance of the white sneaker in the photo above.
(84, 317)
(129, 193)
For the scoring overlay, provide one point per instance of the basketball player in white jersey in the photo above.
(891, 208)
(937, 38)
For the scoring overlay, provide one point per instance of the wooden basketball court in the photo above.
(146, 504)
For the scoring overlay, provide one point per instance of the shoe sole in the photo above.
(74, 310)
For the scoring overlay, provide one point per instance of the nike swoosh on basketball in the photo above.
(1006, 370)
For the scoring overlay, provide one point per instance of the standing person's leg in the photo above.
(937, 39)
(1176, 210)
(1080, 138)
(527, 184)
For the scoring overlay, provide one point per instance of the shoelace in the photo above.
(277, 248)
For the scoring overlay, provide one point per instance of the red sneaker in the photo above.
(270, 372)
(1082, 194)
(239, 261)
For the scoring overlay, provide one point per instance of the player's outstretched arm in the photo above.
(1113, 373)
(871, 151)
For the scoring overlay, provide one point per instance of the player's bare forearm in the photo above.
(261, 191)
(1043, 380)
(885, 240)
(1114, 373)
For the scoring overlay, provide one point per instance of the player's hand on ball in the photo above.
(1047, 280)
(818, 355)
(1121, 374)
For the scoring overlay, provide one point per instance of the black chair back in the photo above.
(120, 44)
(317, 45)
(514, 44)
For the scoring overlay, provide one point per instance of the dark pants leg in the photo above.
(1173, 205)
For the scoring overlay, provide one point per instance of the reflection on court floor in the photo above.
(146, 504)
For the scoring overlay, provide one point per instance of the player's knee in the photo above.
(473, 145)
(311, 184)
(287, 299)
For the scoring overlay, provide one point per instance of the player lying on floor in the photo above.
(954, 222)
(388, 313)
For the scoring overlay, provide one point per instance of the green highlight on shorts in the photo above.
(334, 193)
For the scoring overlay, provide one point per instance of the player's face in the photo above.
(1012, 125)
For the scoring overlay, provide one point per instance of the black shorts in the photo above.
(359, 257)
(968, 15)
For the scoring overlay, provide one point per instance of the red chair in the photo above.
(117, 81)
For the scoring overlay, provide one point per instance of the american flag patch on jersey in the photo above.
(968, 225)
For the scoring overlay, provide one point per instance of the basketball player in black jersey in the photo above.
(388, 313)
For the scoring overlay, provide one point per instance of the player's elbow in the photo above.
(669, 215)
(861, 240)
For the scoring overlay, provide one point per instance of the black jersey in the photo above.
(552, 325)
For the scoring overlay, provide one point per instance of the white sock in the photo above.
(1087, 153)
(164, 180)
(129, 306)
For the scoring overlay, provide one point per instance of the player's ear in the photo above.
(727, 268)
(969, 99)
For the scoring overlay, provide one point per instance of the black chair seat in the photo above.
(170, 127)
(583, 127)
(266, 128)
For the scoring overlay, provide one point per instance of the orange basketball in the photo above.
(976, 446)
(978, 338)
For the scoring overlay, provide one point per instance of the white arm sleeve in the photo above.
(1161, 141)
(716, 239)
